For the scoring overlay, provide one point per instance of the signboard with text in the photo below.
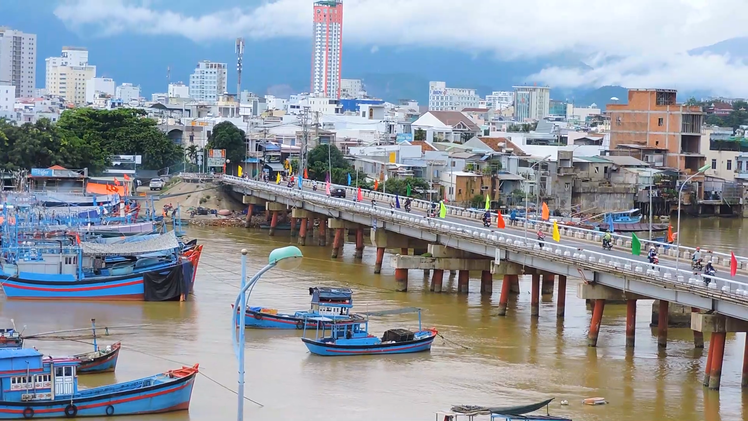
(216, 157)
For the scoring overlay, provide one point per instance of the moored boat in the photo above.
(48, 388)
(10, 338)
(333, 303)
(502, 413)
(356, 340)
(99, 360)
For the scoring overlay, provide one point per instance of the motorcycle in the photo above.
(607, 245)
(486, 223)
(696, 265)
(314, 187)
(407, 208)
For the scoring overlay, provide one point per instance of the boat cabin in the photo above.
(10, 338)
(27, 376)
(630, 216)
(331, 301)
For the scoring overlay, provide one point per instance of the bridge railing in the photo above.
(713, 286)
(672, 250)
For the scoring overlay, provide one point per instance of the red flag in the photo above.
(360, 195)
(306, 174)
(733, 264)
(126, 177)
(670, 236)
(500, 220)
(376, 184)
(77, 238)
(545, 214)
(116, 182)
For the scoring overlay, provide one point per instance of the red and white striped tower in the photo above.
(327, 51)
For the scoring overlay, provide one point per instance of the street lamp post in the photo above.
(527, 218)
(680, 193)
(240, 308)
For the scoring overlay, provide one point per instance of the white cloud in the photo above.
(633, 42)
(374, 49)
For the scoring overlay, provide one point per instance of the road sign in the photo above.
(216, 157)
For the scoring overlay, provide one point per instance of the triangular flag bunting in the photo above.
(556, 233)
(442, 211)
(546, 214)
(239, 171)
(359, 195)
(488, 202)
(127, 178)
(500, 220)
(397, 201)
(636, 245)
(306, 174)
(670, 236)
(376, 184)
(278, 178)
(407, 192)
(733, 264)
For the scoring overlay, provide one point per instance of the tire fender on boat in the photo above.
(28, 412)
(258, 316)
(110, 410)
(71, 411)
(300, 324)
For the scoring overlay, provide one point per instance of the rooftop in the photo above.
(453, 118)
(19, 353)
(425, 146)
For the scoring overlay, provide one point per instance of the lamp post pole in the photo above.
(680, 193)
(242, 326)
(527, 216)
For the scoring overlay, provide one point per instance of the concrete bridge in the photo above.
(461, 243)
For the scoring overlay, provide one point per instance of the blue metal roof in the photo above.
(18, 353)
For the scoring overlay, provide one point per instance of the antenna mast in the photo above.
(239, 49)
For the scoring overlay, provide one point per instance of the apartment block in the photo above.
(18, 61)
(531, 103)
(68, 74)
(442, 98)
(208, 82)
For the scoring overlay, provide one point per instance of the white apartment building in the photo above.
(442, 98)
(161, 97)
(352, 88)
(275, 103)
(500, 100)
(18, 61)
(178, 90)
(66, 76)
(127, 92)
(98, 86)
(7, 100)
(581, 113)
(531, 102)
(208, 82)
(327, 54)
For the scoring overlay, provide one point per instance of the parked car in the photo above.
(156, 184)
(338, 192)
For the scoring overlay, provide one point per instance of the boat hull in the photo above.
(104, 363)
(259, 320)
(160, 398)
(331, 349)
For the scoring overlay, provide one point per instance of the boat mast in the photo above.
(93, 328)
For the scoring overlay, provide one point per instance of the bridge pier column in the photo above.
(561, 304)
(273, 222)
(486, 282)
(248, 219)
(322, 240)
(293, 227)
(337, 244)
(404, 251)
(302, 231)
(708, 368)
(401, 280)
(463, 282)
(597, 318)
(436, 280)
(698, 337)
(715, 376)
(378, 261)
(268, 215)
(506, 285)
(546, 287)
(662, 325)
(535, 296)
(514, 285)
(359, 242)
(744, 381)
(630, 323)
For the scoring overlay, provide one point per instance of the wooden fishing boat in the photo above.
(500, 413)
(99, 360)
(356, 340)
(46, 388)
(10, 338)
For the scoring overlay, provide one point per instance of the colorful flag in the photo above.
(397, 201)
(442, 210)
(301, 183)
(327, 188)
(327, 177)
(556, 234)
(376, 184)
(127, 178)
(488, 202)
(407, 192)
(500, 220)
(733, 264)
(278, 178)
(636, 245)
(239, 171)
(116, 182)
(306, 174)
(546, 213)
(670, 236)
(349, 179)
(359, 195)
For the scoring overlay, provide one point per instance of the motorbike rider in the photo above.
(696, 257)
(406, 205)
(607, 238)
(541, 238)
(487, 218)
(652, 254)
(314, 185)
(709, 269)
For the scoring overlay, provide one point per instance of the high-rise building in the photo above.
(208, 82)
(442, 98)
(531, 102)
(327, 55)
(7, 100)
(352, 88)
(67, 75)
(97, 86)
(178, 90)
(500, 100)
(127, 92)
(18, 61)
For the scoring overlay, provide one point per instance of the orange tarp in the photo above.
(105, 189)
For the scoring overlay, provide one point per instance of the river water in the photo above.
(487, 360)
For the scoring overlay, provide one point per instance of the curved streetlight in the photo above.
(240, 306)
(527, 216)
(680, 192)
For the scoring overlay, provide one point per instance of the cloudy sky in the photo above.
(642, 43)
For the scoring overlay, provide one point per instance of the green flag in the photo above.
(407, 193)
(636, 245)
(488, 203)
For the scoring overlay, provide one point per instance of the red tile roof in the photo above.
(425, 146)
(453, 118)
(495, 144)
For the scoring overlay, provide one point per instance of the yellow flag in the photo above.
(556, 234)
(278, 179)
(442, 211)
(240, 171)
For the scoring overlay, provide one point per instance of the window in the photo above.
(660, 121)
(729, 164)
(740, 166)
(714, 164)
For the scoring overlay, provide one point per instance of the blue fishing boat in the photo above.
(333, 303)
(356, 340)
(154, 269)
(38, 387)
(10, 338)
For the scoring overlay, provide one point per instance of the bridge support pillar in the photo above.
(708, 368)
(378, 261)
(561, 304)
(401, 280)
(337, 244)
(302, 231)
(273, 222)
(463, 282)
(698, 337)
(293, 227)
(359, 242)
(486, 282)
(404, 251)
(535, 296)
(715, 376)
(514, 285)
(506, 286)
(547, 285)
(630, 323)
(436, 280)
(597, 318)
(248, 219)
(322, 237)
(662, 325)
(744, 381)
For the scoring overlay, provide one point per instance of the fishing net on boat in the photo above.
(163, 242)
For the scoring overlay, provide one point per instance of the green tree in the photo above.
(418, 186)
(227, 136)
(713, 119)
(317, 164)
(419, 134)
(37, 145)
(191, 152)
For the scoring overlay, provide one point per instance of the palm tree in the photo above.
(191, 153)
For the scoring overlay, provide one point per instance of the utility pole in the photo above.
(239, 49)
(305, 141)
